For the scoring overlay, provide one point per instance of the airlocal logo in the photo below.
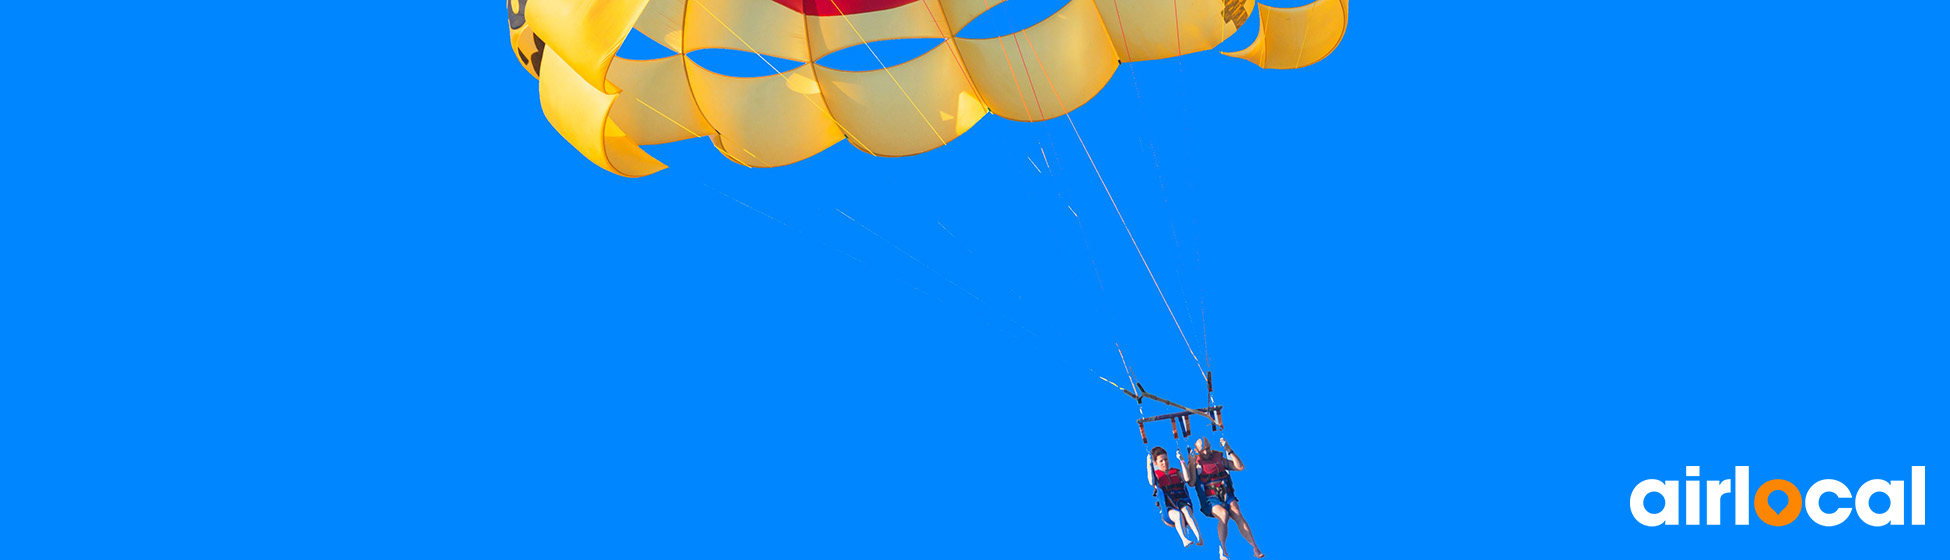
(1716, 490)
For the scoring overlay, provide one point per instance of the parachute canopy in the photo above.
(607, 106)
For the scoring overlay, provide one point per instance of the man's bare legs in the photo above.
(1245, 531)
(1223, 515)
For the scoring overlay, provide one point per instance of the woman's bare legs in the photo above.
(1178, 522)
(1189, 520)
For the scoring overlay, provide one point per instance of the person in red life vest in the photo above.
(1212, 476)
(1170, 483)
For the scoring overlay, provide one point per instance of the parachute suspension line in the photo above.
(1083, 235)
(1140, 250)
(1114, 384)
(802, 234)
(1060, 105)
(749, 207)
(687, 130)
(1032, 85)
(1205, 337)
(1132, 377)
(1012, 79)
(775, 71)
(1089, 252)
(1119, 11)
(1127, 372)
(761, 161)
(890, 72)
(949, 38)
(917, 260)
(1196, 363)
(938, 273)
(694, 134)
(741, 39)
(1018, 83)
(1017, 37)
(1177, 31)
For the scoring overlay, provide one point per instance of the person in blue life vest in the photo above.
(1170, 483)
(1211, 473)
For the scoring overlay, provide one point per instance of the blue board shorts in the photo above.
(1176, 497)
(1225, 498)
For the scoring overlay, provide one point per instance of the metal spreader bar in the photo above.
(1209, 413)
(1206, 412)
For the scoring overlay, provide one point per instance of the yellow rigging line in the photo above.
(693, 133)
(775, 70)
(890, 72)
(687, 130)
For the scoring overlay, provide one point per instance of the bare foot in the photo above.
(1258, 554)
(1201, 542)
(1187, 542)
(1222, 553)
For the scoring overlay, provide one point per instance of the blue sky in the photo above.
(1464, 284)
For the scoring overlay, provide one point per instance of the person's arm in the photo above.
(1185, 471)
(1148, 477)
(1236, 465)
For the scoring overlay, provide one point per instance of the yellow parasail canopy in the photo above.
(606, 107)
(1290, 38)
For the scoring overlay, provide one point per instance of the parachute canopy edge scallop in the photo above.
(610, 106)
